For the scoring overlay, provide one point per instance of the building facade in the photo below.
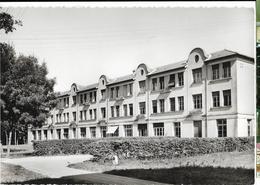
(206, 95)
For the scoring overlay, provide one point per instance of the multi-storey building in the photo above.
(202, 96)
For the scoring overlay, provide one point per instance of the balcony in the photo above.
(220, 80)
(171, 84)
(140, 117)
(121, 98)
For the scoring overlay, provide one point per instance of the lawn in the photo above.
(216, 168)
(225, 159)
(14, 173)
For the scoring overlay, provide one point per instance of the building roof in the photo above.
(88, 87)
(168, 67)
(220, 54)
(225, 53)
(121, 79)
(65, 93)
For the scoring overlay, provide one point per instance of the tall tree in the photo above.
(8, 22)
(26, 92)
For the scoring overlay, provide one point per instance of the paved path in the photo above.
(51, 166)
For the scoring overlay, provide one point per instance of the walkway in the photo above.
(51, 166)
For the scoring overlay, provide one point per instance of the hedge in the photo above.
(143, 148)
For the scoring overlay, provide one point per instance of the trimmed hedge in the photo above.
(143, 148)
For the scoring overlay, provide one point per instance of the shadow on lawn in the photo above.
(191, 175)
(180, 175)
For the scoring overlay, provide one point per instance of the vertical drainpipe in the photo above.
(206, 103)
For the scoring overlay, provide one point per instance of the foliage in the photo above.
(26, 92)
(7, 22)
(143, 148)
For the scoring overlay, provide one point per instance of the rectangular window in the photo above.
(172, 80)
(64, 117)
(117, 92)
(68, 119)
(215, 71)
(90, 114)
(161, 105)
(222, 127)
(172, 104)
(58, 133)
(197, 75)
(117, 111)
(227, 97)
(103, 112)
(130, 90)
(74, 100)
(197, 101)
(57, 118)
(112, 93)
(81, 99)
(177, 129)
(45, 134)
(142, 86)
(112, 112)
(161, 82)
(85, 97)
(90, 96)
(154, 84)
(83, 132)
(154, 102)
(103, 94)
(74, 116)
(85, 114)
(158, 129)
(95, 113)
(128, 130)
(81, 115)
(125, 109)
(216, 99)
(131, 112)
(103, 131)
(94, 97)
(181, 102)
(180, 79)
(52, 121)
(34, 135)
(125, 91)
(226, 70)
(92, 132)
(142, 107)
(66, 133)
(197, 128)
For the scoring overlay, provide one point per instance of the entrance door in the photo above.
(142, 129)
(197, 128)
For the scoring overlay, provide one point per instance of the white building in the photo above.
(202, 96)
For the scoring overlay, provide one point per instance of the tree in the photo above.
(7, 22)
(26, 93)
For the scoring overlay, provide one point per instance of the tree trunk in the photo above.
(15, 138)
(9, 143)
(6, 139)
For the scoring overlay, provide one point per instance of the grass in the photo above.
(225, 159)
(191, 175)
(14, 173)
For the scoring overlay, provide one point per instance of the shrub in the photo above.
(143, 148)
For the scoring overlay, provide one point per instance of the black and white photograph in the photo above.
(128, 93)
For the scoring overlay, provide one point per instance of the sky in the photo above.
(81, 44)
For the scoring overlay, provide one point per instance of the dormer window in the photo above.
(142, 72)
(197, 58)
(103, 82)
(74, 89)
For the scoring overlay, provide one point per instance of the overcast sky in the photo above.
(81, 44)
